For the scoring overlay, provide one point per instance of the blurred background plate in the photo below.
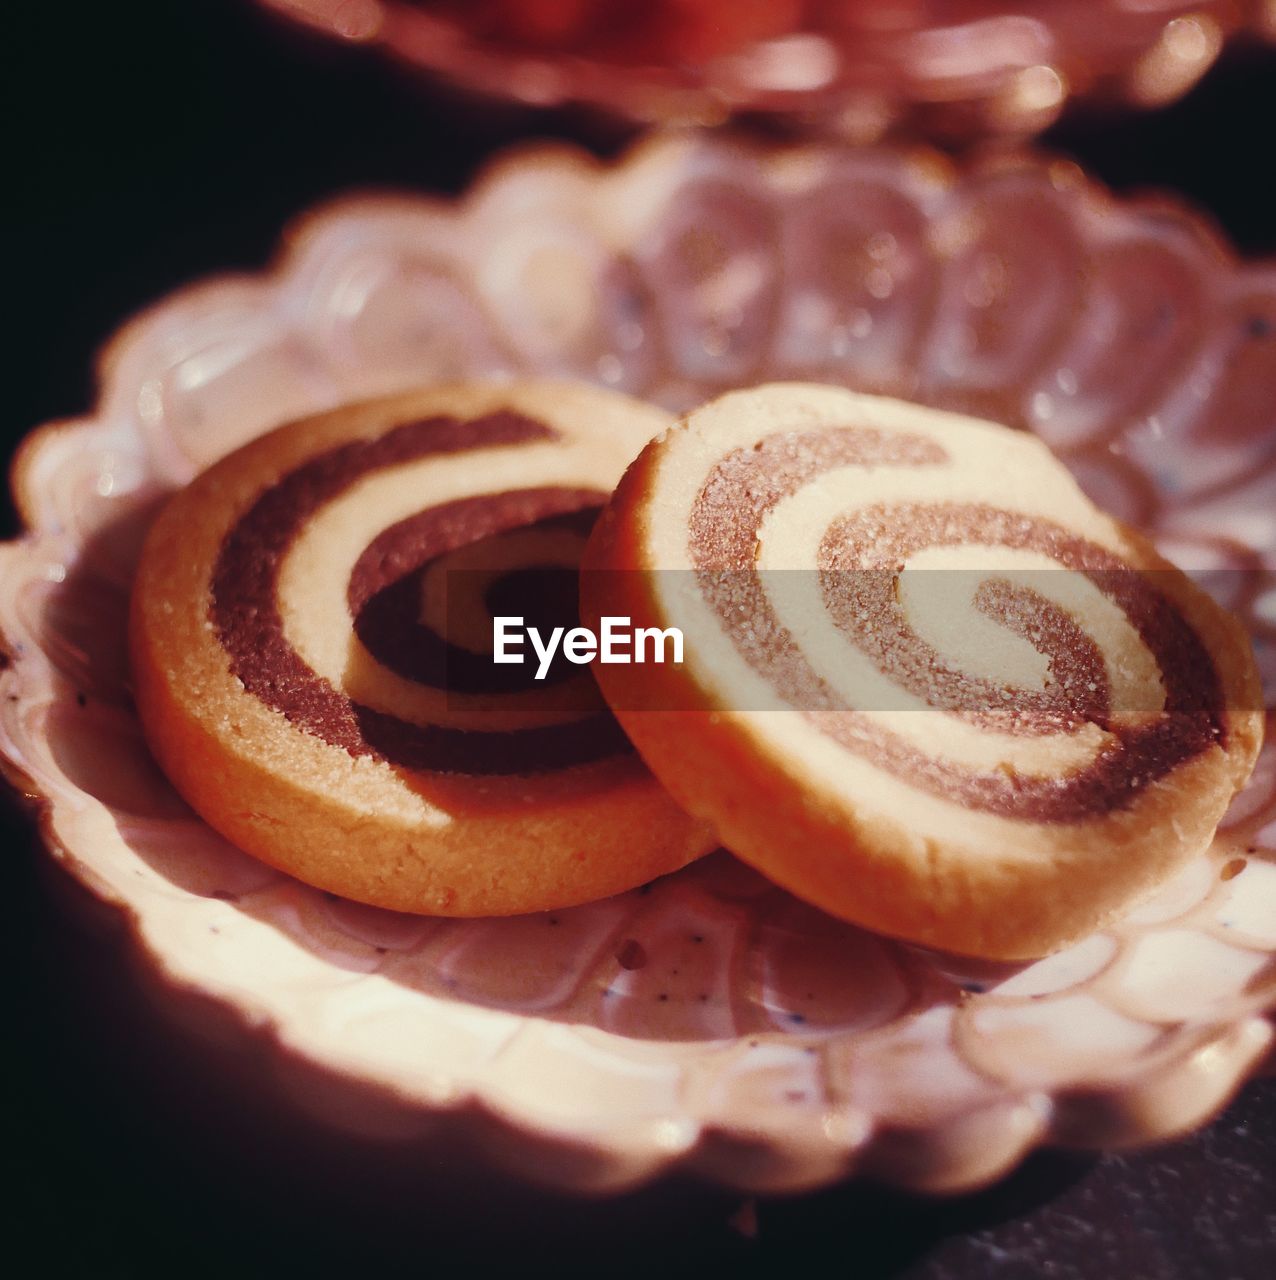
(855, 68)
(709, 1023)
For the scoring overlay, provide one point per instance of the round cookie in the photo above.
(311, 639)
(927, 685)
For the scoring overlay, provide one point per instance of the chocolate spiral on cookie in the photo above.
(390, 638)
(313, 654)
(939, 693)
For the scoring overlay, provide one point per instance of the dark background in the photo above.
(152, 143)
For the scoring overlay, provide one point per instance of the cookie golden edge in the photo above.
(357, 827)
(873, 869)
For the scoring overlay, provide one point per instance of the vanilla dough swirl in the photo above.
(312, 654)
(930, 687)
(384, 593)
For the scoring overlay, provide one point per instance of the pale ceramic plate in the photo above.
(855, 68)
(709, 1022)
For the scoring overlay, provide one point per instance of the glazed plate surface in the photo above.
(708, 1021)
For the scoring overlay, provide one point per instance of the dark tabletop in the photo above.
(150, 143)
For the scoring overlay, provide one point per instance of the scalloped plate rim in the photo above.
(628, 1169)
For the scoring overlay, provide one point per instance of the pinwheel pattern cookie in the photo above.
(928, 686)
(311, 645)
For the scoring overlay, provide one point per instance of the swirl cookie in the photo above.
(927, 685)
(311, 638)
